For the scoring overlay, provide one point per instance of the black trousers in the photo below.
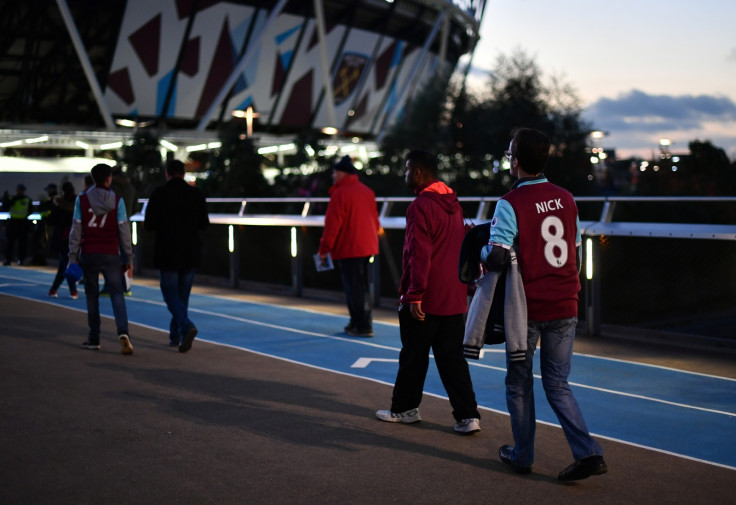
(17, 229)
(354, 273)
(444, 336)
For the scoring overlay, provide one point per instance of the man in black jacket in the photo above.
(176, 212)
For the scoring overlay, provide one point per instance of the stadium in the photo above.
(78, 78)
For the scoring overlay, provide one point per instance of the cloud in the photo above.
(636, 120)
(642, 112)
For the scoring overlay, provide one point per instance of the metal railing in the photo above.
(605, 235)
(597, 229)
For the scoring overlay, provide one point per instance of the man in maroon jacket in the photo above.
(351, 238)
(432, 300)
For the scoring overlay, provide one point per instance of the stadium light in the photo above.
(168, 145)
(36, 140)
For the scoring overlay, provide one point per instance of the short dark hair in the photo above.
(89, 181)
(531, 148)
(67, 188)
(175, 167)
(100, 173)
(423, 159)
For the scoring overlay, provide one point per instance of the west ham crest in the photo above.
(348, 75)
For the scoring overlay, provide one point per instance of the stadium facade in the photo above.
(75, 70)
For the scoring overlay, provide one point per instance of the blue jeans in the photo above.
(63, 261)
(176, 285)
(557, 339)
(109, 266)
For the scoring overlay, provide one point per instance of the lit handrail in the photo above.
(604, 226)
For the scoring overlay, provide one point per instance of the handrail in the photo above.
(605, 225)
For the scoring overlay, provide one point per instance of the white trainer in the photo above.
(468, 426)
(407, 417)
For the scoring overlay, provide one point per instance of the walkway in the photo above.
(275, 405)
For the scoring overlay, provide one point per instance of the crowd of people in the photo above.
(535, 227)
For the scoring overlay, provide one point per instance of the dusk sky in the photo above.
(643, 69)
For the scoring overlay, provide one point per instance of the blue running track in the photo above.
(677, 412)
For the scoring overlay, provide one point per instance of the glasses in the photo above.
(508, 154)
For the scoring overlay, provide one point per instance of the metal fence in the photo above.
(676, 273)
(652, 263)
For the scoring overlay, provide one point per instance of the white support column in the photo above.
(240, 67)
(412, 75)
(86, 65)
(326, 77)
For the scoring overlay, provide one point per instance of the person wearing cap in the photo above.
(99, 228)
(176, 213)
(60, 219)
(350, 237)
(19, 207)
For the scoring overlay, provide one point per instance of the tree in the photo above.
(142, 158)
(471, 128)
(236, 166)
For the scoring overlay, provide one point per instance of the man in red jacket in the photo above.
(351, 238)
(432, 300)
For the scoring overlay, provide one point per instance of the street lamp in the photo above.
(248, 114)
(664, 147)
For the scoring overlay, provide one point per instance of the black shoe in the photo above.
(186, 342)
(93, 346)
(584, 468)
(349, 328)
(504, 453)
(359, 332)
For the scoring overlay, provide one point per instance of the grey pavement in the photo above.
(225, 426)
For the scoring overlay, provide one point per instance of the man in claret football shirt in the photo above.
(99, 228)
(540, 220)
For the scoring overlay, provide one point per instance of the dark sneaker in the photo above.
(359, 332)
(52, 294)
(73, 295)
(504, 454)
(406, 417)
(93, 346)
(186, 342)
(584, 468)
(125, 346)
